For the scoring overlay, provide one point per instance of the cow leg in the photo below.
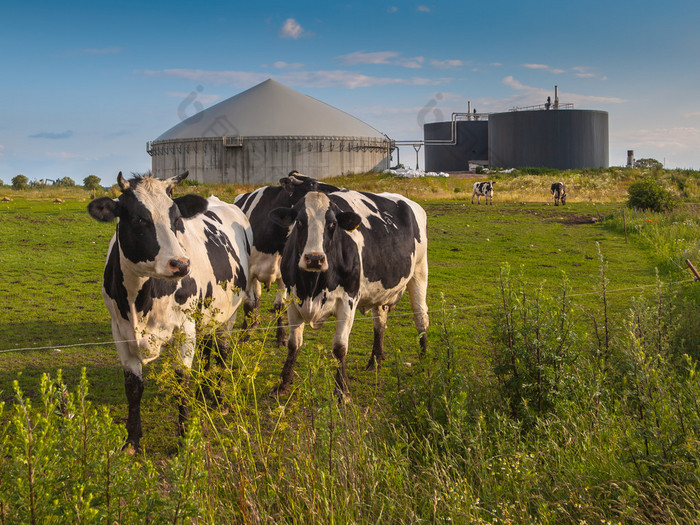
(296, 338)
(133, 386)
(182, 372)
(251, 305)
(379, 316)
(418, 291)
(345, 316)
(280, 300)
(218, 345)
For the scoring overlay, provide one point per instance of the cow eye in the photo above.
(332, 225)
(140, 222)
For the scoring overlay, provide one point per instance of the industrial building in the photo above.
(551, 135)
(262, 134)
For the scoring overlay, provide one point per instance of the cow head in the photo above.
(315, 220)
(148, 222)
(297, 185)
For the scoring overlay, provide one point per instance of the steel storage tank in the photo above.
(470, 143)
(560, 139)
(262, 134)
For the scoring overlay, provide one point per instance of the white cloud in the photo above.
(358, 57)
(291, 29)
(411, 63)
(556, 71)
(446, 64)
(392, 9)
(692, 114)
(314, 79)
(423, 9)
(287, 65)
(381, 57)
(529, 95)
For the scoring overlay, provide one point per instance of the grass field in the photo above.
(52, 317)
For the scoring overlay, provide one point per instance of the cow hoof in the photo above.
(282, 343)
(280, 390)
(131, 448)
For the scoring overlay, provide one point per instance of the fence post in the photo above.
(693, 269)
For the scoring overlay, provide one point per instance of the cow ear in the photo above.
(123, 183)
(283, 216)
(286, 183)
(104, 209)
(191, 205)
(174, 181)
(348, 220)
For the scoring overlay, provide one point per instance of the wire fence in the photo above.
(361, 319)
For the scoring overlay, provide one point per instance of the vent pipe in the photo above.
(556, 97)
(469, 109)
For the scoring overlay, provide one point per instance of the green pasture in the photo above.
(560, 385)
(52, 257)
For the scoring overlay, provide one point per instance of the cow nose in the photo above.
(314, 261)
(179, 266)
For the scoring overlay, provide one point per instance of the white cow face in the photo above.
(148, 222)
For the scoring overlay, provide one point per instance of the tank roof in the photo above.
(270, 109)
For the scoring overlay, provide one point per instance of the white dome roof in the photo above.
(271, 109)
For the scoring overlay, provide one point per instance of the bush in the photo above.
(648, 194)
(648, 163)
(20, 182)
(92, 182)
(65, 181)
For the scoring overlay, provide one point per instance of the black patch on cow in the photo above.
(269, 237)
(390, 241)
(213, 216)
(176, 222)
(210, 291)
(219, 248)
(153, 289)
(113, 281)
(187, 289)
(136, 231)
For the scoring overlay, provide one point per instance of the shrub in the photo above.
(648, 163)
(648, 194)
(65, 181)
(92, 182)
(20, 182)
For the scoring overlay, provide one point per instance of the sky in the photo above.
(84, 85)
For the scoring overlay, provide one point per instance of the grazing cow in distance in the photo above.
(269, 239)
(559, 191)
(350, 250)
(483, 189)
(168, 259)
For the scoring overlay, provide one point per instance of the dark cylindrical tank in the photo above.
(561, 139)
(472, 144)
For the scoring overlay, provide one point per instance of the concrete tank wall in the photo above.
(472, 144)
(264, 160)
(560, 139)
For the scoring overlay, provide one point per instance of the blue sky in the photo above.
(84, 85)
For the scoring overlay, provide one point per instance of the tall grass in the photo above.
(549, 430)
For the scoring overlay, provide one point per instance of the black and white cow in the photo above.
(483, 189)
(269, 239)
(168, 259)
(350, 250)
(559, 191)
